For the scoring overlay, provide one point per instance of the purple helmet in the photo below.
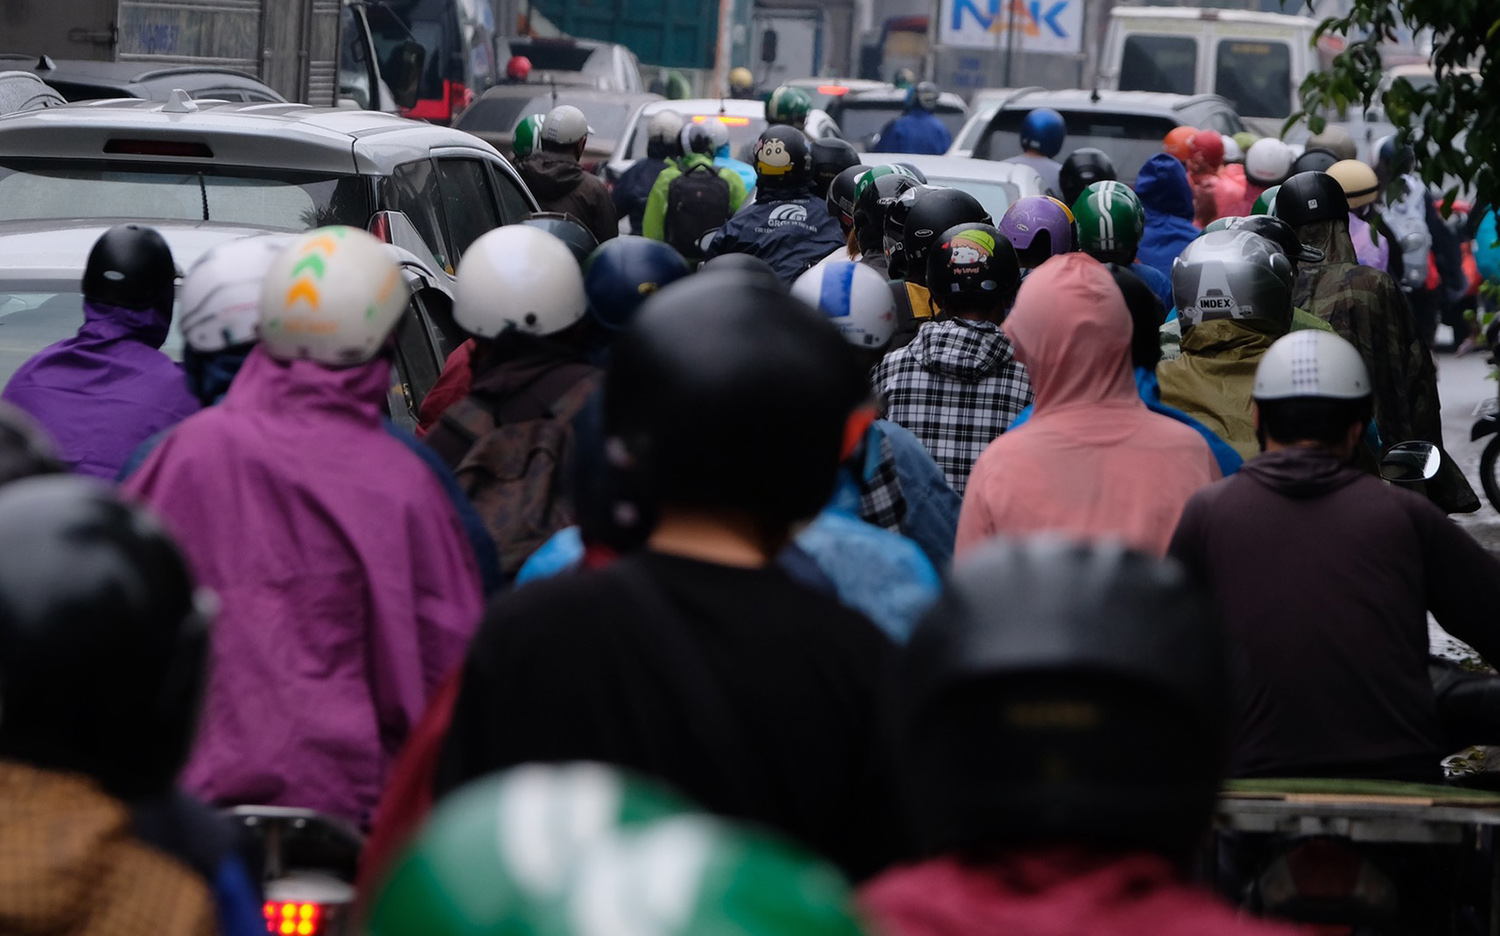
(1039, 228)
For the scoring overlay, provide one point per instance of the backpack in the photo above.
(515, 473)
(697, 202)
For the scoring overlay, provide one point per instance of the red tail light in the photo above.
(442, 110)
(290, 918)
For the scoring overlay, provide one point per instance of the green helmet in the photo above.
(1110, 222)
(1266, 203)
(788, 105)
(528, 136)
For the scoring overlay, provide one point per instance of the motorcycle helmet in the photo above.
(1281, 234)
(1265, 203)
(623, 273)
(1175, 143)
(1233, 275)
(1335, 140)
(925, 95)
(1110, 222)
(663, 134)
(829, 158)
(1312, 364)
(894, 240)
(717, 358)
(782, 159)
(719, 134)
(874, 193)
(1268, 162)
(743, 263)
(1147, 315)
(841, 193)
(25, 448)
(518, 279)
(518, 68)
(788, 105)
(1043, 131)
(103, 638)
(219, 301)
(1045, 696)
(1232, 151)
(1392, 159)
(579, 239)
(904, 78)
(333, 295)
(695, 138)
(740, 80)
(1309, 197)
(1314, 160)
(855, 297)
(1205, 151)
(527, 138)
(1038, 228)
(972, 267)
(1083, 168)
(1360, 185)
(130, 266)
(934, 213)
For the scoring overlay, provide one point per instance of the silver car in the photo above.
(996, 185)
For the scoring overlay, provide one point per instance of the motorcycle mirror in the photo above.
(1410, 462)
(706, 239)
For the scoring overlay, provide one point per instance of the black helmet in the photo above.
(569, 230)
(695, 138)
(1047, 698)
(841, 194)
(1147, 314)
(1314, 160)
(1082, 168)
(782, 159)
(1278, 232)
(894, 239)
(1311, 196)
(876, 192)
(131, 267)
(624, 272)
(935, 213)
(970, 265)
(830, 157)
(913, 171)
(743, 263)
(102, 644)
(718, 358)
(25, 450)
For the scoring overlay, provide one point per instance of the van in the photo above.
(1256, 60)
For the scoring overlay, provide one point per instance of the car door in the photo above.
(419, 349)
(469, 202)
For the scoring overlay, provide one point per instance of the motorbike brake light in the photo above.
(293, 918)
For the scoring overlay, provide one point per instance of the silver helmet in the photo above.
(1233, 274)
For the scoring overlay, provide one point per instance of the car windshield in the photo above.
(993, 195)
(1256, 77)
(430, 23)
(554, 56)
(501, 114)
(32, 189)
(1159, 63)
(861, 122)
(1129, 139)
(37, 313)
(743, 132)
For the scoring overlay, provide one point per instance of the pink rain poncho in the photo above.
(347, 588)
(1093, 461)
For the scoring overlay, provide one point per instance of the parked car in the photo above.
(458, 39)
(996, 185)
(494, 116)
(603, 65)
(23, 91)
(863, 114)
(825, 90)
(79, 80)
(1128, 125)
(277, 167)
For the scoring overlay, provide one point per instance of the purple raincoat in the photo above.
(1366, 250)
(106, 390)
(347, 588)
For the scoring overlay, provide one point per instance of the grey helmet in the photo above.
(1233, 274)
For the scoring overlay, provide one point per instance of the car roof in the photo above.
(286, 136)
(853, 84)
(121, 73)
(730, 107)
(1142, 102)
(956, 167)
(1227, 16)
(896, 96)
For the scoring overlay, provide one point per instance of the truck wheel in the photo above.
(1487, 468)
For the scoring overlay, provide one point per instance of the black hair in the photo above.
(1312, 419)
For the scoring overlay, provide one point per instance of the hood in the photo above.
(515, 361)
(302, 391)
(1331, 237)
(1071, 329)
(694, 161)
(962, 350)
(106, 323)
(550, 175)
(1302, 472)
(1163, 188)
(1231, 338)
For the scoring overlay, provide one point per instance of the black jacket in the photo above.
(790, 230)
(560, 184)
(634, 187)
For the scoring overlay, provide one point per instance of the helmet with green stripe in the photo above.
(879, 172)
(788, 105)
(527, 138)
(1266, 203)
(1110, 222)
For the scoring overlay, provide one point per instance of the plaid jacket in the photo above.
(957, 386)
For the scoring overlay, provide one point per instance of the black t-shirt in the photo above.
(744, 690)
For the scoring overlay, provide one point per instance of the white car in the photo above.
(996, 185)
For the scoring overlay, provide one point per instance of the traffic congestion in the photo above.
(460, 480)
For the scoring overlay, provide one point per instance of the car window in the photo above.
(1129, 139)
(417, 362)
(415, 190)
(1159, 63)
(37, 313)
(222, 94)
(743, 132)
(500, 114)
(1222, 121)
(558, 56)
(861, 123)
(994, 196)
(1256, 77)
(468, 201)
(513, 203)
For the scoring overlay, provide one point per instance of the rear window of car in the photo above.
(743, 132)
(1167, 64)
(553, 56)
(1129, 139)
(862, 121)
(431, 23)
(994, 196)
(37, 313)
(501, 114)
(1256, 76)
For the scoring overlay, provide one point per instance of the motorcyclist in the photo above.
(786, 226)
(1426, 243)
(711, 361)
(1038, 717)
(830, 157)
(348, 593)
(1042, 133)
(741, 84)
(875, 191)
(1090, 431)
(842, 193)
(106, 389)
(559, 182)
(1268, 163)
(722, 157)
(1362, 190)
(633, 188)
(1083, 167)
(1234, 298)
(788, 106)
(1366, 307)
(1333, 678)
(1205, 162)
(958, 385)
(1039, 228)
(684, 222)
(1110, 223)
(914, 221)
(918, 129)
(527, 137)
(103, 640)
(1167, 198)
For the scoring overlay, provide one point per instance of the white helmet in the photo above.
(1232, 151)
(219, 298)
(1311, 363)
(1268, 162)
(332, 295)
(857, 298)
(518, 278)
(665, 127)
(717, 132)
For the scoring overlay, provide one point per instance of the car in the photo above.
(457, 38)
(41, 301)
(1128, 125)
(996, 185)
(283, 167)
(745, 121)
(79, 80)
(863, 114)
(494, 116)
(23, 91)
(824, 90)
(603, 65)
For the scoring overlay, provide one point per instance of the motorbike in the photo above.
(1487, 423)
(308, 865)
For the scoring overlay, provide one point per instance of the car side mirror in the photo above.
(1411, 462)
(404, 73)
(768, 46)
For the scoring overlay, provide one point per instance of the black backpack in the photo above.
(697, 202)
